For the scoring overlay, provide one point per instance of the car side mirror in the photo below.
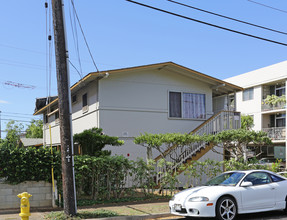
(246, 184)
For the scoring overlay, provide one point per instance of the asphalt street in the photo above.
(259, 216)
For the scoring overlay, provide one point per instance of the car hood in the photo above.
(207, 191)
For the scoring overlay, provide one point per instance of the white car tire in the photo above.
(226, 208)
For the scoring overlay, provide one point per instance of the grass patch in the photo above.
(81, 215)
(89, 202)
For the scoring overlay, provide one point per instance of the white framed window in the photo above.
(280, 120)
(187, 105)
(248, 94)
(279, 90)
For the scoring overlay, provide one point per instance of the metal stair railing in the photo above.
(179, 155)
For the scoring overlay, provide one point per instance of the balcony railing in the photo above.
(278, 133)
(280, 105)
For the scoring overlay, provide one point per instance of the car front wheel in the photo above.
(226, 208)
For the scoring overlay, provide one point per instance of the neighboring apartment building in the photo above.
(157, 98)
(259, 86)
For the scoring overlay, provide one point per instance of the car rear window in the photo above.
(276, 178)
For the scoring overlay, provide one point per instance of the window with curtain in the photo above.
(187, 105)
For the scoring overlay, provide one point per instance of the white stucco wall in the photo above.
(129, 103)
(134, 103)
(251, 107)
(81, 120)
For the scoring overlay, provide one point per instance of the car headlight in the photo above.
(198, 199)
(173, 198)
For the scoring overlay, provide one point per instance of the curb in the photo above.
(39, 209)
(136, 217)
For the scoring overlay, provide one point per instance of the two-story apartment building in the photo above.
(262, 87)
(157, 98)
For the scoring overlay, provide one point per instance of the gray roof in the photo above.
(31, 141)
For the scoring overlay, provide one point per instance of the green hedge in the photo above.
(28, 164)
(101, 177)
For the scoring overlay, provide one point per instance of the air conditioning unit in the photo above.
(85, 109)
(270, 151)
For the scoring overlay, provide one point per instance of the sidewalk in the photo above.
(127, 211)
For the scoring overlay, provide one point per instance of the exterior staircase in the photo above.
(224, 120)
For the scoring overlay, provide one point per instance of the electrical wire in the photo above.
(75, 69)
(209, 24)
(50, 50)
(223, 16)
(267, 6)
(16, 113)
(76, 42)
(84, 36)
(8, 115)
(9, 119)
(47, 59)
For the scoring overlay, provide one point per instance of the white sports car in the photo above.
(232, 193)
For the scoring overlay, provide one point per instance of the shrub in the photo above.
(28, 164)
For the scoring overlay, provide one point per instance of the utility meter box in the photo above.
(280, 152)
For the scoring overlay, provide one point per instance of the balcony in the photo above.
(276, 133)
(274, 102)
(277, 106)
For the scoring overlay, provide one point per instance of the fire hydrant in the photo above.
(25, 205)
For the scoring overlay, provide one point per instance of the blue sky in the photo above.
(122, 34)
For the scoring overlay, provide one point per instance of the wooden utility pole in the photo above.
(64, 95)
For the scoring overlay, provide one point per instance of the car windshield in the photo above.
(226, 179)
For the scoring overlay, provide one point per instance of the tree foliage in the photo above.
(274, 99)
(246, 122)
(92, 141)
(14, 131)
(163, 142)
(35, 129)
(236, 141)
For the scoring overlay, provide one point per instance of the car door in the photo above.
(261, 195)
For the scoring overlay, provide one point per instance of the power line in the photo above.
(9, 119)
(202, 22)
(16, 113)
(4, 131)
(76, 40)
(223, 16)
(75, 69)
(8, 115)
(84, 35)
(267, 6)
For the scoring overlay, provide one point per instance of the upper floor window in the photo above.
(57, 115)
(279, 90)
(74, 98)
(85, 100)
(187, 105)
(248, 94)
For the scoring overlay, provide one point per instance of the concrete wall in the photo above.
(41, 194)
